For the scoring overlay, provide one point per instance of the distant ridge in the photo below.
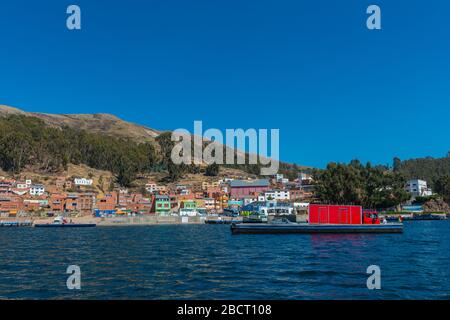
(97, 123)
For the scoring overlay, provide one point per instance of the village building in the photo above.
(57, 202)
(60, 183)
(277, 195)
(161, 205)
(37, 190)
(206, 185)
(83, 182)
(35, 204)
(151, 187)
(107, 202)
(417, 187)
(210, 204)
(6, 185)
(249, 199)
(241, 188)
(10, 204)
(268, 208)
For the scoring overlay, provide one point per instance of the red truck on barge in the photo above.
(341, 214)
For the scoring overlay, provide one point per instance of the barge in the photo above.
(325, 219)
(243, 228)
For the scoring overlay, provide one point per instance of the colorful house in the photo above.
(162, 205)
(241, 188)
(188, 204)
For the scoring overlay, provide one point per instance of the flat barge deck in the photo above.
(243, 228)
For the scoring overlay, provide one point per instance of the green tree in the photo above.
(371, 187)
(125, 173)
(175, 171)
(396, 164)
(212, 170)
(442, 187)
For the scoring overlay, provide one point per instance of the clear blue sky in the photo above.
(335, 89)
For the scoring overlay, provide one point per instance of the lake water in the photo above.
(207, 262)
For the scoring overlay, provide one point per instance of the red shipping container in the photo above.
(334, 214)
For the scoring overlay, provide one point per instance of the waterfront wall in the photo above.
(149, 220)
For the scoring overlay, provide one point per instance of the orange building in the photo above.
(107, 202)
(57, 201)
(10, 203)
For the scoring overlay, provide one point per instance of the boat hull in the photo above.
(66, 225)
(220, 221)
(243, 228)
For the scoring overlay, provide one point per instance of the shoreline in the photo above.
(133, 221)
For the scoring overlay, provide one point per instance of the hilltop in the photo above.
(96, 123)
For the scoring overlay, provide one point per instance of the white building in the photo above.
(249, 199)
(277, 195)
(150, 187)
(184, 192)
(83, 182)
(23, 184)
(37, 190)
(269, 208)
(301, 205)
(417, 187)
(210, 203)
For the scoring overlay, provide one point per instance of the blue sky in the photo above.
(335, 89)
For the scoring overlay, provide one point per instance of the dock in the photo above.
(65, 225)
(16, 223)
(260, 228)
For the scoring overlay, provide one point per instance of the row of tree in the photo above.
(355, 183)
(428, 169)
(30, 142)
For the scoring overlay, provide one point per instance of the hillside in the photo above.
(47, 145)
(110, 125)
(428, 169)
(96, 123)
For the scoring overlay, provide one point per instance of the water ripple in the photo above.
(207, 262)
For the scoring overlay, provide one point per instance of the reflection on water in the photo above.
(207, 262)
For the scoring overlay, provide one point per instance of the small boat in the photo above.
(284, 226)
(428, 216)
(221, 221)
(15, 223)
(394, 218)
(255, 218)
(60, 222)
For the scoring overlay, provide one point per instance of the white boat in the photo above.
(188, 212)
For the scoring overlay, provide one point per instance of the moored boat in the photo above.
(292, 227)
(16, 223)
(221, 221)
(429, 216)
(323, 218)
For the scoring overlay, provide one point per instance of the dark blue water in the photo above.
(207, 262)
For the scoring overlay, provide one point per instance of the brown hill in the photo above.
(97, 123)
